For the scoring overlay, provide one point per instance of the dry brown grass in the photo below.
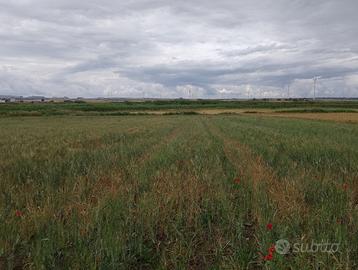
(327, 116)
(232, 111)
(336, 117)
(285, 195)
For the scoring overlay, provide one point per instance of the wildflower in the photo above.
(272, 249)
(237, 180)
(268, 257)
(345, 186)
(18, 213)
(269, 226)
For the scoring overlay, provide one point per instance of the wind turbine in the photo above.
(248, 91)
(110, 91)
(222, 91)
(288, 91)
(315, 79)
(190, 93)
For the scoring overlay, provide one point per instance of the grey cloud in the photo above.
(165, 47)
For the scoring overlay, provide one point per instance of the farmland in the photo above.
(80, 108)
(81, 190)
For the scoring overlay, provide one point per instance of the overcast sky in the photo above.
(148, 48)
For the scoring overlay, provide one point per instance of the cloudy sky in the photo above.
(157, 48)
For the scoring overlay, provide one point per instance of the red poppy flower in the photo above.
(268, 257)
(237, 180)
(18, 213)
(269, 226)
(345, 186)
(272, 249)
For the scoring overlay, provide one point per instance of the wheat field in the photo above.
(176, 192)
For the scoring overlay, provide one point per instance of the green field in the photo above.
(175, 191)
(172, 106)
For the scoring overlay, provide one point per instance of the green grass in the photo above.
(158, 192)
(128, 107)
